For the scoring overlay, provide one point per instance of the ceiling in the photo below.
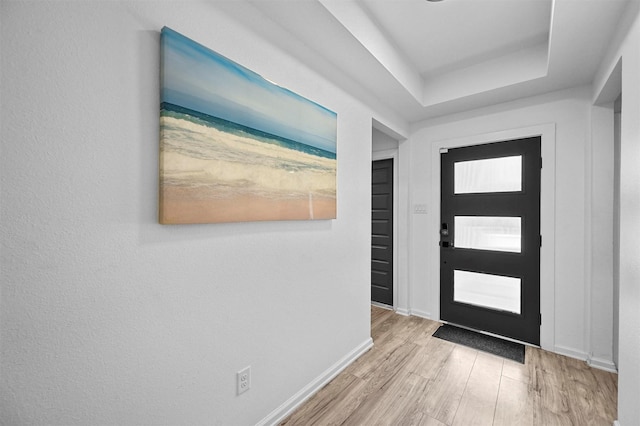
(439, 37)
(425, 59)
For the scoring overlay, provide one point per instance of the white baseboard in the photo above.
(421, 314)
(280, 413)
(616, 423)
(570, 352)
(403, 311)
(381, 305)
(599, 363)
(602, 364)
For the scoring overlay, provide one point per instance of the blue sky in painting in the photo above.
(200, 79)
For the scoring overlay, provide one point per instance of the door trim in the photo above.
(547, 218)
(392, 154)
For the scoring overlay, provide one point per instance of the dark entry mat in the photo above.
(472, 339)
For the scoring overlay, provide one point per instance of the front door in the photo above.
(382, 232)
(490, 238)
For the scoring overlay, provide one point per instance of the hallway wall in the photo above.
(625, 50)
(107, 317)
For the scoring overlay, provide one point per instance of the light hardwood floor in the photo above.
(412, 378)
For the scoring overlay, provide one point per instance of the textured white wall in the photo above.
(570, 111)
(599, 247)
(625, 49)
(629, 337)
(108, 317)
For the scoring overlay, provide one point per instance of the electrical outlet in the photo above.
(243, 378)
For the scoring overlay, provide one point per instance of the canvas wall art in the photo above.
(236, 147)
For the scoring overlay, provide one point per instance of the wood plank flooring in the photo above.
(412, 378)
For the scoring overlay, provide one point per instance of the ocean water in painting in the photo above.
(235, 147)
(226, 159)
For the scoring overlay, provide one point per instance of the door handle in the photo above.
(444, 235)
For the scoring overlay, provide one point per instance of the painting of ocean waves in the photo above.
(259, 153)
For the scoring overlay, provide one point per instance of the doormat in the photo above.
(482, 342)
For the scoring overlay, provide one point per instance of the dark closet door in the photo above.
(382, 232)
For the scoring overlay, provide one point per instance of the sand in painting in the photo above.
(217, 171)
(190, 208)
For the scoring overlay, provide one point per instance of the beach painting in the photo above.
(235, 147)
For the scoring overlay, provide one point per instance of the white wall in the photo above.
(570, 112)
(599, 255)
(382, 142)
(108, 317)
(625, 49)
(629, 349)
(616, 230)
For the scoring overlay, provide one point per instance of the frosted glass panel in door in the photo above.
(503, 174)
(488, 233)
(486, 290)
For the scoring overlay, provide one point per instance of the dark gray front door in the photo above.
(382, 232)
(490, 238)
